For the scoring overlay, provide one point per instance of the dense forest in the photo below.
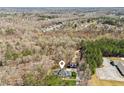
(94, 51)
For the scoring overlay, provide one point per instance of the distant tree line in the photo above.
(116, 21)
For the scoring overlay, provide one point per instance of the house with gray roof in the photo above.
(63, 73)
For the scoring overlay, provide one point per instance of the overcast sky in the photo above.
(61, 3)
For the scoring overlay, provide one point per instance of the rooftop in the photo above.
(63, 73)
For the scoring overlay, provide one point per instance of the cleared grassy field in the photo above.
(97, 82)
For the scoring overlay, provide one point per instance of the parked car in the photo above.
(72, 65)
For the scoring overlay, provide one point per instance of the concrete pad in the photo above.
(108, 72)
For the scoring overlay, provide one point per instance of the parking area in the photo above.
(108, 72)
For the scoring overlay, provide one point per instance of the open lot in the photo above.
(108, 75)
(108, 72)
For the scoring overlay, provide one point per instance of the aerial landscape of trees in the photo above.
(45, 37)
